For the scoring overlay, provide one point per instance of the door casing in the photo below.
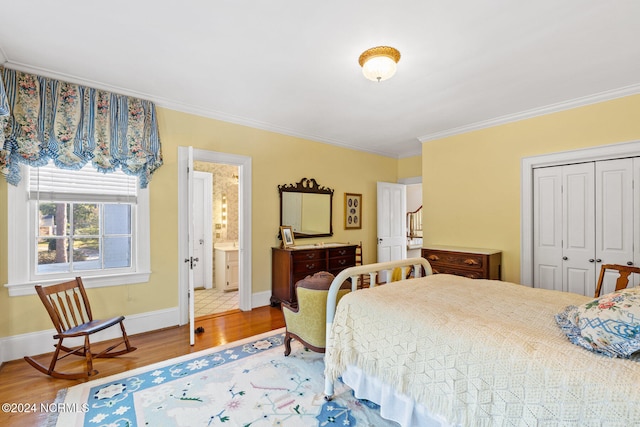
(244, 225)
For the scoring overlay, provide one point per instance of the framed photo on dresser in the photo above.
(352, 211)
(286, 233)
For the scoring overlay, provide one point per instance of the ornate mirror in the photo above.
(306, 207)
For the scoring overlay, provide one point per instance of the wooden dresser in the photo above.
(293, 264)
(476, 263)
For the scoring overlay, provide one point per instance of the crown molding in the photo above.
(77, 80)
(549, 109)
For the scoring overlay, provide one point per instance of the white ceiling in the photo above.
(292, 66)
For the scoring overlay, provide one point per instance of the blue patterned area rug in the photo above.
(246, 383)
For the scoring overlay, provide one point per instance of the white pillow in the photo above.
(609, 325)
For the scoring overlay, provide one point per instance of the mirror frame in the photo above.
(308, 185)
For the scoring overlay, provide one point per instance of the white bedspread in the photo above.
(482, 352)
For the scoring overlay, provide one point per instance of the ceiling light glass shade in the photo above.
(379, 63)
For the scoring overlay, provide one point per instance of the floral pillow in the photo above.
(609, 325)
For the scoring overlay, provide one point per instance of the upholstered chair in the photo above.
(306, 321)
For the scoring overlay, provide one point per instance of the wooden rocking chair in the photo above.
(70, 312)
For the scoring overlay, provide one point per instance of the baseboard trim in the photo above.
(260, 299)
(34, 343)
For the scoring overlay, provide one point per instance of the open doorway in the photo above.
(216, 226)
(414, 220)
(186, 157)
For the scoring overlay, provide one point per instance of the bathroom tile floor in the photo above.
(213, 301)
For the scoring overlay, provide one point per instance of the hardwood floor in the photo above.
(22, 384)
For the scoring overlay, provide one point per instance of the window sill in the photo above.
(21, 289)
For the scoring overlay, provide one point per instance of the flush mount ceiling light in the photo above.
(379, 63)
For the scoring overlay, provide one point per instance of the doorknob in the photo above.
(629, 263)
(191, 261)
(564, 258)
(592, 260)
(598, 260)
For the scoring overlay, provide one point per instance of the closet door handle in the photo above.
(592, 260)
(598, 260)
(629, 262)
(564, 258)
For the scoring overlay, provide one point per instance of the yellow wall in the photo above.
(410, 167)
(276, 159)
(471, 182)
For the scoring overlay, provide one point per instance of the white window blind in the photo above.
(86, 184)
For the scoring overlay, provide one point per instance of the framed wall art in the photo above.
(352, 211)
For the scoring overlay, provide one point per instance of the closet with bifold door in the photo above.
(585, 215)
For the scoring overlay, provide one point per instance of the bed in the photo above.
(445, 350)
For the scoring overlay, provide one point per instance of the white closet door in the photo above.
(547, 230)
(614, 216)
(578, 226)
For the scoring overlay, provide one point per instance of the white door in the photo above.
(578, 228)
(392, 227)
(564, 234)
(547, 235)
(614, 216)
(190, 260)
(202, 229)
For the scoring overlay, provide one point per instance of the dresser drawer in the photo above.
(309, 266)
(304, 256)
(465, 260)
(443, 269)
(341, 263)
(349, 252)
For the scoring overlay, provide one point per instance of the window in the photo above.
(78, 237)
(67, 223)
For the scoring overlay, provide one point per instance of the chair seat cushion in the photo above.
(90, 327)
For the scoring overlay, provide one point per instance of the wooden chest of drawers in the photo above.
(293, 264)
(475, 263)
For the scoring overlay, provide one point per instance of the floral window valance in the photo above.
(4, 105)
(72, 124)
